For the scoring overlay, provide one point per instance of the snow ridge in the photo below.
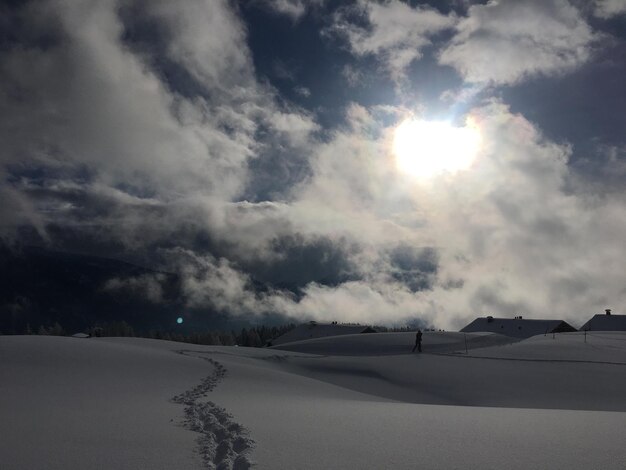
(223, 443)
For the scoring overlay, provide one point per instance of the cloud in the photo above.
(394, 32)
(609, 8)
(17, 211)
(122, 124)
(216, 283)
(507, 41)
(352, 75)
(360, 302)
(603, 170)
(210, 282)
(302, 91)
(173, 153)
(116, 118)
(510, 235)
(148, 286)
(292, 8)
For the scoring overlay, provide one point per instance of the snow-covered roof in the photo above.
(319, 330)
(517, 327)
(605, 323)
(80, 335)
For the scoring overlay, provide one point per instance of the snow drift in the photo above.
(134, 403)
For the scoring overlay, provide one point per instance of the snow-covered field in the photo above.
(355, 401)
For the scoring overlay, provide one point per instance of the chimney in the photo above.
(608, 311)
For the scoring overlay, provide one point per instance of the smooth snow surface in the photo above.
(384, 344)
(317, 330)
(123, 403)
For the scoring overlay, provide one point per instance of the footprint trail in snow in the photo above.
(223, 443)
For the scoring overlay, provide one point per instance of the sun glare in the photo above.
(427, 148)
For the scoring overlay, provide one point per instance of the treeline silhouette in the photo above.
(255, 337)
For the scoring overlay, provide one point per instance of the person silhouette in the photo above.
(418, 341)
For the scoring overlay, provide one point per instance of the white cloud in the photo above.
(609, 8)
(506, 41)
(360, 302)
(293, 8)
(209, 40)
(207, 281)
(511, 239)
(148, 286)
(396, 33)
(117, 121)
(302, 91)
(116, 117)
(352, 74)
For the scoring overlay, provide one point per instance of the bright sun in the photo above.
(427, 148)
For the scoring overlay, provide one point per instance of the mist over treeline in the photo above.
(255, 336)
(43, 287)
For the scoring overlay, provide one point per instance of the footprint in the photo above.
(223, 443)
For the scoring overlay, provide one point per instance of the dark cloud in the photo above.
(297, 261)
(275, 172)
(414, 267)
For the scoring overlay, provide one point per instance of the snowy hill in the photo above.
(393, 343)
(128, 403)
(319, 330)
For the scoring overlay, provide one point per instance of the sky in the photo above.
(360, 161)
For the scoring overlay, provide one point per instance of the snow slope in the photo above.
(377, 344)
(86, 403)
(317, 330)
(136, 403)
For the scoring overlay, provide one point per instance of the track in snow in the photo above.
(223, 443)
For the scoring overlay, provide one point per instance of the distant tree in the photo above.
(256, 336)
(214, 338)
(227, 339)
(42, 330)
(253, 339)
(117, 328)
(95, 331)
(56, 330)
(242, 339)
(178, 337)
(277, 331)
(192, 338)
